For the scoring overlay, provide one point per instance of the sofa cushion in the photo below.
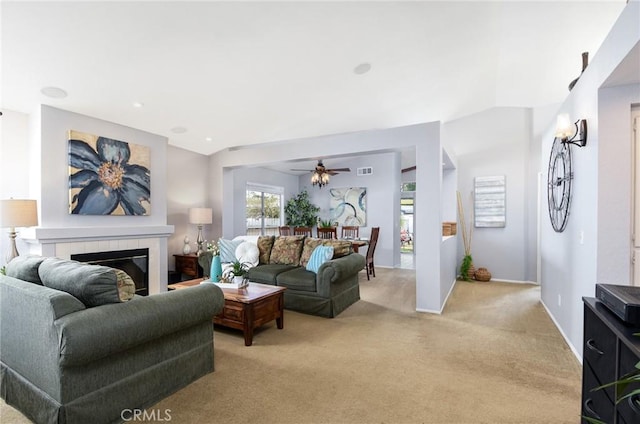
(247, 252)
(309, 245)
(265, 244)
(286, 250)
(340, 247)
(298, 279)
(320, 255)
(267, 274)
(25, 268)
(228, 249)
(93, 285)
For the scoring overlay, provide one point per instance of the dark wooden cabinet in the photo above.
(188, 265)
(610, 351)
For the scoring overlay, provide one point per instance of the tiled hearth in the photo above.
(63, 242)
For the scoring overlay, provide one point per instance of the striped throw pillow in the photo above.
(320, 255)
(228, 249)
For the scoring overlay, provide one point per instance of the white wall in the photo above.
(187, 180)
(14, 174)
(503, 251)
(595, 241)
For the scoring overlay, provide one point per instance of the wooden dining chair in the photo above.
(373, 241)
(350, 232)
(327, 233)
(284, 231)
(302, 231)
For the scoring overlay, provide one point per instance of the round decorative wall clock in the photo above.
(559, 184)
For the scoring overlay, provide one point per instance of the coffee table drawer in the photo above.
(233, 312)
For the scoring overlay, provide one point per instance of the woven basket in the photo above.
(482, 274)
(446, 229)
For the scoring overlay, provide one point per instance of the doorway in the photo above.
(407, 221)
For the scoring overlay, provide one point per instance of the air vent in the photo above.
(367, 170)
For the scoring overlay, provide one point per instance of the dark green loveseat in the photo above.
(326, 293)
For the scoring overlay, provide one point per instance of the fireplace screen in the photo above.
(134, 262)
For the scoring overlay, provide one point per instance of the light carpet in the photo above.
(493, 356)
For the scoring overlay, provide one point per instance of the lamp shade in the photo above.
(200, 216)
(18, 213)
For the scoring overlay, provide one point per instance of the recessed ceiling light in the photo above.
(54, 92)
(178, 130)
(138, 104)
(362, 68)
(208, 139)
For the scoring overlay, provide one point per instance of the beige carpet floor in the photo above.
(493, 356)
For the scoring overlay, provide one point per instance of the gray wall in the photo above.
(187, 178)
(595, 244)
(503, 251)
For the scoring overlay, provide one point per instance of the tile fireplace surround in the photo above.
(64, 242)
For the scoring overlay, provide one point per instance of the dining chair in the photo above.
(302, 231)
(327, 233)
(284, 231)
(350, 231)
(373, 241)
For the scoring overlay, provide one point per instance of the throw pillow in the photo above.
(286, 250)
(93, 285)
(126, 285)
(320, 255)
(228, 249)
(25, 268)
(340, 247)
(265, 244)
(307, 249)
(248, 253)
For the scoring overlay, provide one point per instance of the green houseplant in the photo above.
(300, 212)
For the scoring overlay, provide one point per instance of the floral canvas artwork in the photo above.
(348, 205)
(107, 176)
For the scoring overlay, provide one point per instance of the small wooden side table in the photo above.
(188, 265)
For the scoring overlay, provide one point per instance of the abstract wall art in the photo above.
(490, 201)
(107, 176)
(348, 206)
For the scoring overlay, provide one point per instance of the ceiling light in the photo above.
(208, 139)
(138, 104)
(178, 130)
(362, 68)
(54, 92)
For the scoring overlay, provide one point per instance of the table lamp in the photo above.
(17, 213)
(200, 217)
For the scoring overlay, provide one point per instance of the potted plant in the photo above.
(300, 212)
(467, 270)
(325, 223)
(239, 270)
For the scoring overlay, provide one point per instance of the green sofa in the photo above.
(326, 293)
(65, 361)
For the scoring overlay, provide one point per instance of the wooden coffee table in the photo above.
(248, 308)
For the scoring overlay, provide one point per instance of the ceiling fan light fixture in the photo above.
(319, 178)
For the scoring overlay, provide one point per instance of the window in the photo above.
(264, 209)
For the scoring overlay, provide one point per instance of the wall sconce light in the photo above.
(564, 130)
(200, 217)
(17, 213)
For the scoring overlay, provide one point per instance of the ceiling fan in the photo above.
(321, 174)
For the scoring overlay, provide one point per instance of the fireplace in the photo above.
(134, 262)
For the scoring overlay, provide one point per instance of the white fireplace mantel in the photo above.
(65, 241)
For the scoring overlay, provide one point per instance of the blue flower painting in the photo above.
(108, 177)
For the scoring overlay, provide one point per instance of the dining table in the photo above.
(357, 243)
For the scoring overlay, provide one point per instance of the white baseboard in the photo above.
(435, 311)
(500, 280)
(564, 336)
